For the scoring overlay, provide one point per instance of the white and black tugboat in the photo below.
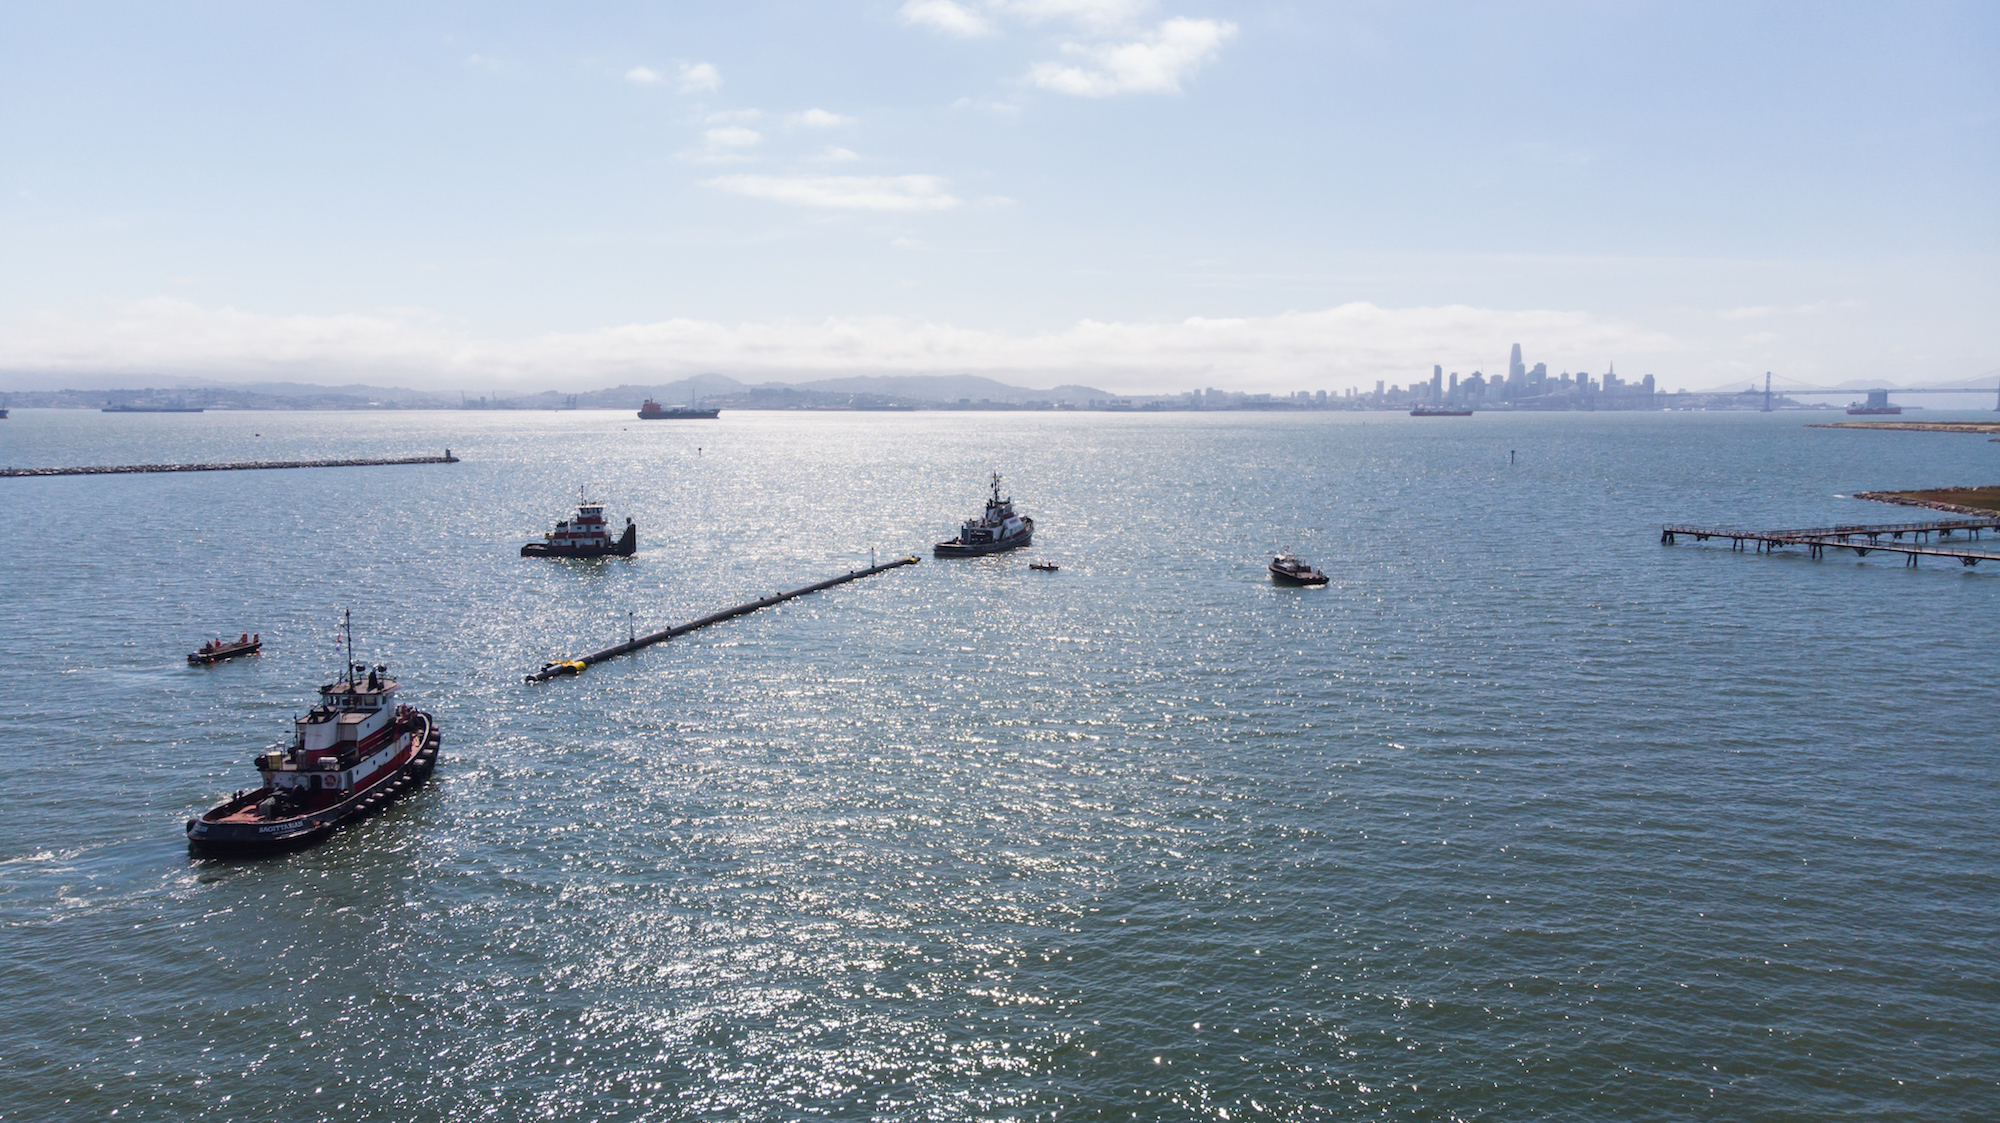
(997, 528)
(585, 536)
(351, 755)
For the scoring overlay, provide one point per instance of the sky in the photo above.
(1139, 195)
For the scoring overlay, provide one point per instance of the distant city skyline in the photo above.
(1146, 195)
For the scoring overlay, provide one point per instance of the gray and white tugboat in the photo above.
(351, 755)
(997, 528)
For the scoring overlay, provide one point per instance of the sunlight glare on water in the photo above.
(1523, 816)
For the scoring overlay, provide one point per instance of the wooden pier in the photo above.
(1863, 540)
(244, 466)
(563, 667)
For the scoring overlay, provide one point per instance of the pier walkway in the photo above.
(575, 666)
(243, 466)
(1862, 539)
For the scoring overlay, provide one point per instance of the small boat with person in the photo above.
(1290, 569)
(218, 649)
(351, 755)
(993, 530)
(1045, 567)
(585, 536)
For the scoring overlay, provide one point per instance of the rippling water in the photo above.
(1523, 816)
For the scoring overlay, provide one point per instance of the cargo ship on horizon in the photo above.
(654, 411)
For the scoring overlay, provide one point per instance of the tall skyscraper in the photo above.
(1515, 370)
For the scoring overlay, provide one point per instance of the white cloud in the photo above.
(731, 136)
(699, 76)
(820, 119)
(999, 110)
(837, 155)
(725, 144)
(1761, 311)
(946, 16)
(1350, 345)
(846, 192)
(1093, 14)
(1153, 64)
(644, 76)
(970, 18)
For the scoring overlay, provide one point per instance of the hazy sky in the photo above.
(1136, 194)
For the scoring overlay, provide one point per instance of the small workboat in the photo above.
(1045, 567)
(218, 649)
(1290, 569)
(995, 529)
(351, 755)
(584, 536)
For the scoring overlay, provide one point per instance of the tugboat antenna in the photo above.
(347, 623)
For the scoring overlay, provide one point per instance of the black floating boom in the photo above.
(575, 666)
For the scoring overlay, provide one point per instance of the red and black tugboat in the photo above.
(351, 755)
(218, 649)
(997, 528)
(1290, 569)
(584, 536)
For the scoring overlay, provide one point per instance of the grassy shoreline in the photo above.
(1956, 500)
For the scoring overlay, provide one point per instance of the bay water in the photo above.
(1523, 816)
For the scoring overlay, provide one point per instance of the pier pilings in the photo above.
(1887, 538)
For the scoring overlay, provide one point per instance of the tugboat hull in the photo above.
(625, 547)
(1284, 577)
(224, 831)
(957, 549)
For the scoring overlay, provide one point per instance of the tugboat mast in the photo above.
(347, 625)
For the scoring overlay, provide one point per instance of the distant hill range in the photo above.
(910, 391)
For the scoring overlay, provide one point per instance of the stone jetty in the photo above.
(244, 466)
